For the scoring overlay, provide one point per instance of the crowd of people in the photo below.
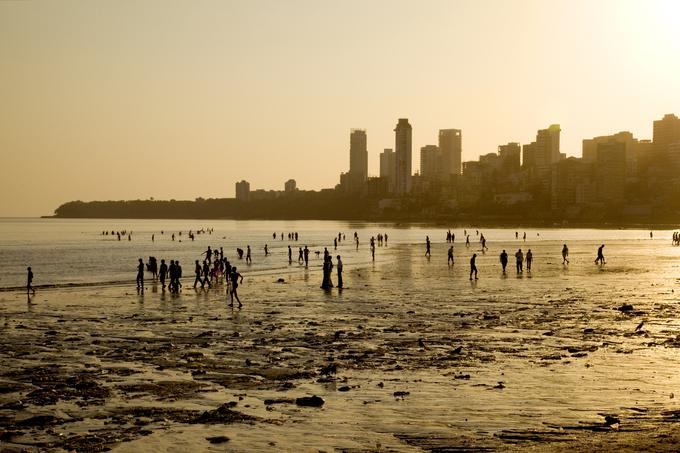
(214, 268)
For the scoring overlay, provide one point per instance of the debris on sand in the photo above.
(401, 394)
(310, 401)
(224, 414)
(625, 308)
(217, 439)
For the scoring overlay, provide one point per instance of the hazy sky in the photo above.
(180, 99)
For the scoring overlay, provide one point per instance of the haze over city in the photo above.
(180, 100)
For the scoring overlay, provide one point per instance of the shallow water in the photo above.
(555, 338)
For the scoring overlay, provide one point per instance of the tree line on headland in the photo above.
(333, 205)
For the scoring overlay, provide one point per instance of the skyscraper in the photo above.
(388, 167)
(358, 158)
(430, 161)
(243, 190)
(666, 132)
(510, 155)
(451, 147)
(402, 146)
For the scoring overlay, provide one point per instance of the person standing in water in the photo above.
(504, 260)
(565, 254)
(198, 271)
(467, 241)
(163, 272)
(248, 258)
(29, 282)
(473, 266)
(450, 257)
(140, 275)
(519, 260)
(338, 266)
(600, 255)
(234, 277)
(529, 259)
(290, 254)
(306, 255)
(427, 246)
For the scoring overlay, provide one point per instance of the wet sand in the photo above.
(411, 356)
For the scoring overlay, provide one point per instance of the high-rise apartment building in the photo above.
(510, 157)
(403, 157)
(451, 148)
(388, 167)
(430, 162)
(243, 190)
(358, 160)
(666, 133)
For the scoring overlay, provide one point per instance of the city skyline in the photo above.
(107, 102)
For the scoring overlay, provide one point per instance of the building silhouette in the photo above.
(403, 157)
(243, 190)
(358, 160)
(388, 167)
(430, 162)
(290, 186)
(451, 147)
(510, 157)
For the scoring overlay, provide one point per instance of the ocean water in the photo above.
(537, 355)
(74, 251)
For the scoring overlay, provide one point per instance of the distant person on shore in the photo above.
(565, 254)
(651, 235)
(306, 255)
(335, 243)
(172, 274)
(235, 277)
(239, 252)
(301, 256)
(140, 275)
(516, 235)
(519, 260)
(385, 238)
(473, 266)
(524, 238)
(249, 260)
(504, 260)
(163, 272)
(338, 266)
(198, 271)
(529, 259)
(290, 255)
(467, 240)
(29, 282)
(449, 260)
(206, 274)
(178, 276)
(600, 255)
(327, 269)
(427, 246)
(266, 250)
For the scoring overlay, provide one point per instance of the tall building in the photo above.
(430, 161)
(243, 190)
(510, 157)
(529, 156)
(548, 147)
(451, 147)
(290, 186)
(610, 172)
(666, 132)
(388, 167)
(403, 157)
(630, 143)
(358, 159)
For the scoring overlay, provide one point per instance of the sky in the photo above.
(110, 100)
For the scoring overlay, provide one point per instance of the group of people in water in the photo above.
(214, 268)
(211, 271)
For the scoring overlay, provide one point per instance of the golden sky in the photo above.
(180, 99)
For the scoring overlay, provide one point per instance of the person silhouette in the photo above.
(450, 257)
(473, 266)
(29, 281)
(338, 266)
(600, 255)
(504, 259)
(565, 254)
(140, 275)
(529, 259)
(235, 276)
(519, 260)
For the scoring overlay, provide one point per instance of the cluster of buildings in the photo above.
(614, 170)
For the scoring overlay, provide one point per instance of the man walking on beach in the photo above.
(427, 246)
(565, 254)
(473, 266)
(234, 277)
(338, 266)
(29, 282)
(450, 258)
(504, 260)
(140, 275)
(519, 260)
(600, 255)
(163, 272)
